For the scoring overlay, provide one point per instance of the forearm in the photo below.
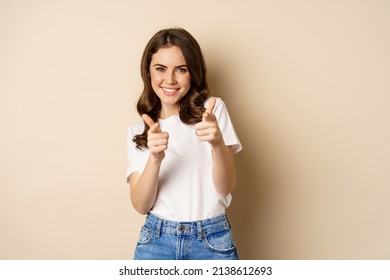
(224, 172)
(144, 187)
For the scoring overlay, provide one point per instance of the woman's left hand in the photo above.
(208, 129)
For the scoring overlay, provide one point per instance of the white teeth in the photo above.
(169, 89)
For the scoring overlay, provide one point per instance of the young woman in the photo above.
(181, 168)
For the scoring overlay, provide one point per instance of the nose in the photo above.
(170, 79)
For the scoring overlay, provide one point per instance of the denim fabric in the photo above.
(209, 239)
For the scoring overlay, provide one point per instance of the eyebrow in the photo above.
(160, 65)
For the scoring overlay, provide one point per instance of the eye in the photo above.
(160, 69)
(181, 70)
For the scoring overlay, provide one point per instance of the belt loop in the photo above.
(199, 229)
(158, 228)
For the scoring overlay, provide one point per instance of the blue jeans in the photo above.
(209, 239)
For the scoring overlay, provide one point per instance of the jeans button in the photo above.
(181, 228)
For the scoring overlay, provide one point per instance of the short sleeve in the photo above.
(225, 125)
(132, 152)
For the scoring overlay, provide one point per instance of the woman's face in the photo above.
(170, 78)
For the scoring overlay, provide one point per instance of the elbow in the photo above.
(226, 189)
(224, 193)
(140, 207)
(224, 181)
(142, 211)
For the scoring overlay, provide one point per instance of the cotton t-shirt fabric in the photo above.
(186, 191)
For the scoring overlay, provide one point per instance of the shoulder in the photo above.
(136, 128)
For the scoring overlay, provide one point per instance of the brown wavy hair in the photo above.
(191, 106)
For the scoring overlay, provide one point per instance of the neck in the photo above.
(168, 112)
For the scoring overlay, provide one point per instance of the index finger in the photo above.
(211, 105)
(148, 120)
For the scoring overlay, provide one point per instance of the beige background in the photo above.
(307, 86)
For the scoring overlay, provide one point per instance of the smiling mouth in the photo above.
(170, 91)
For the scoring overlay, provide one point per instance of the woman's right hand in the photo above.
(157, 140)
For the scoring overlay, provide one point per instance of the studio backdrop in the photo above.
(306, 84)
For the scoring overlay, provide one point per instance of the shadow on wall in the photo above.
(250, 209)
(253, 196)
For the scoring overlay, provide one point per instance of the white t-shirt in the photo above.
(186, 191)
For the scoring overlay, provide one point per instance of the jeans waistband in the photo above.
(199, 228)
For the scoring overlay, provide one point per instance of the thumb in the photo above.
(149, 121)
(209, 110)
(211, 105)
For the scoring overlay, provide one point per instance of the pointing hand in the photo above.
(157, 140)
(208, 129)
